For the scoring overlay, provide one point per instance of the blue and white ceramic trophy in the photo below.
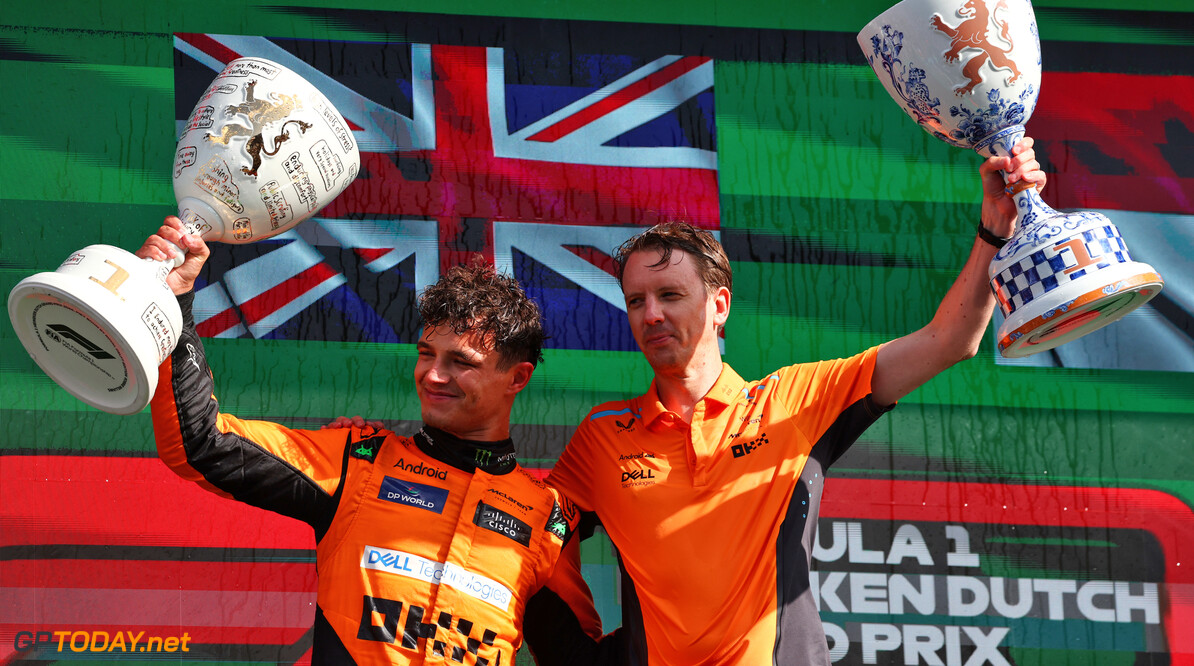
(968, 72)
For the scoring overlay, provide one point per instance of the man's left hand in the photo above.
(999, 209)
(350, 422)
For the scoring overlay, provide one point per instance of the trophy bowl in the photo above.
(969, 72)
(262, 151)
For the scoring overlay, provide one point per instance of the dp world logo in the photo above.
(417, 495)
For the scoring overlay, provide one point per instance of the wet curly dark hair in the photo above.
(477, 299)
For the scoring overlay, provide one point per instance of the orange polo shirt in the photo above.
(714, 521)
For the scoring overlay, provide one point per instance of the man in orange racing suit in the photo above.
(433, 548)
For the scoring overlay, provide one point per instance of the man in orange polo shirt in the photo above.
(708, 485)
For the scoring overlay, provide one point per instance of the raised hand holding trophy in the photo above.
(263, 150)
(968, 72)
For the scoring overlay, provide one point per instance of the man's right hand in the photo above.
(355, 421)
(158, 247)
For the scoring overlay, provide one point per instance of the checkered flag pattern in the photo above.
(1046, 269)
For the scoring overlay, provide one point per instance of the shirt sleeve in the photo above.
(572, 472)
(831, 401)
(292, 472)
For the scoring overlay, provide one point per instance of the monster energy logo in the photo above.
(482, 456)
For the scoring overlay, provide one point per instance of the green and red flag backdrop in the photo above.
(1036, 512)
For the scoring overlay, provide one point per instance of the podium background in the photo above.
(845, 223)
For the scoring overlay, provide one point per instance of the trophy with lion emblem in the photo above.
(968, 72)
(262, 151)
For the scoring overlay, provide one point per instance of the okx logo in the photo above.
(557, 522)
(744, 448)
(421, 625)
(365, 449)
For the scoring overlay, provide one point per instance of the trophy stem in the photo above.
(1029, 204)
(198, 219)
(1000, 143)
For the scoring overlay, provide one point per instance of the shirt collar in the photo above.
(725, 390)
(728, 386)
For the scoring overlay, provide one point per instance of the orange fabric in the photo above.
(567, 581)
(427, 552)
(386, 551)
(315, 453)
(695, 511)
(422, 562)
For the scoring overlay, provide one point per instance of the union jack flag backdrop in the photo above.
(540, 160)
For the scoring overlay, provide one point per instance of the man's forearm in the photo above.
(961, 319)
(954, 334)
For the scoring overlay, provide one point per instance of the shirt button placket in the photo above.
(696, 445)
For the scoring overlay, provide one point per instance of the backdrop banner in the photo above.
(1032, 511)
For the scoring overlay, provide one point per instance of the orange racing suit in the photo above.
(430, 549)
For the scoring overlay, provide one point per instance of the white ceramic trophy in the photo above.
(968, 71)
(262, 151)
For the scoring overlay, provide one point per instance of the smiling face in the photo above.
(673, 317)
(462, 386)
